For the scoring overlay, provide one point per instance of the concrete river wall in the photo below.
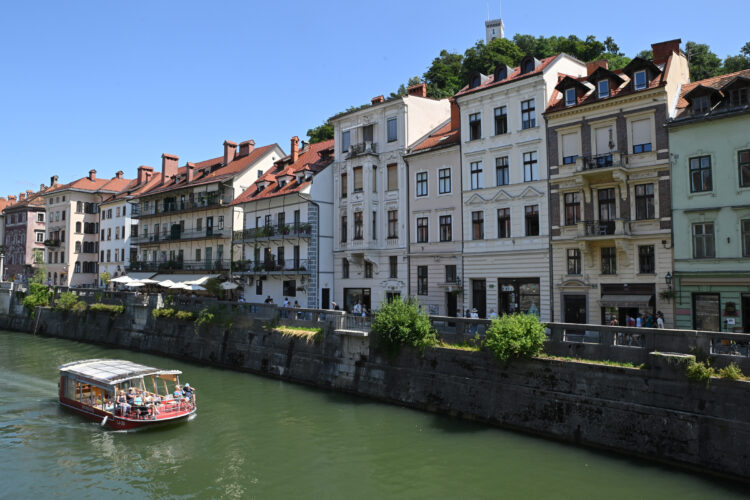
(654, 412)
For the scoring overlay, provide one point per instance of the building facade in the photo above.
(610, 202)
(24, 236)
(370, 194)
(183, 221)
(710, 147)
(435, 236)
(504, 177)
(284, 247)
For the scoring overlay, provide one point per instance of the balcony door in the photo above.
(209, 257)
(209, 226)
(607, 210)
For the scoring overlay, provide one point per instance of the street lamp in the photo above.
(668, 279)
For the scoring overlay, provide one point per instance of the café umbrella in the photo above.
(134, 283)
(121, 279)
(228, 285)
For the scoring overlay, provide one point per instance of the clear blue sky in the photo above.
(112, 85)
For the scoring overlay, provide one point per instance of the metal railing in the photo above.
(180, 235)
(178, 265)
(604, 227)
(161, 208)
(287, 266)
(362, 148)
(294, 230)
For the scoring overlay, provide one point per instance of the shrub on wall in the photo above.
(66, 301)
(515, 336)
(110, 308)
(166, 312)
(39, 296)
(185, 315)
(400, 322)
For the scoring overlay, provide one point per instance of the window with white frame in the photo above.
(639, 80)
(528, 114)
(392, 129)
(703, 240)
(641, 136)
(421, 183)
(570, 97)
(530, 167)
(602, 89)
(569, 148)
(345, 140)
(501, 120)
(502, 171)
(444, 181)
(475, 126)
(476, 175)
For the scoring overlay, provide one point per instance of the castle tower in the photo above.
(495, 29)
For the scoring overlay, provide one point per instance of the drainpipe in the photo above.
(549, 225)
(408, 233)
(461, 191)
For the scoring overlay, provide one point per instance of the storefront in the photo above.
(353, 296)
(519, 295)
(626, 302)
(717, 303)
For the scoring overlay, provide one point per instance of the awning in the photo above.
(178, 278)
(625, 300)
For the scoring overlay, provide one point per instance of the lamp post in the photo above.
(668, 280)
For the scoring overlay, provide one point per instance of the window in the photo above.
(531, 217)
(501, 120)
(421, 280)
(199, 223)
(258, 287)
(451, 276)
(444, 180)
(446, 228)
(368, 270)
(477, 225)
(79, 207)
(602, 89)
(77, 248)
(743, 162)
(422, 230)
(343, 228)
(607, 204)
(77, 267)
(745, 233)
(40, 217)
(738, 97)
(367, 133)
(345, 268)
(609, 260)
(422, 184)
(78, 228)
(344, 185)
(574, 261)
(393, 266)
(502, 171)
(530, 167)
(476, 175)
(392, 171)
(570, 97)
(117, 233)
(358, 180)
(641, 130)
(644, 201)
(392, 224)
(345, 140)
(646, 259)
(572, 208)
(108, 256)
(289, 288)
(528, 114)
(475, 126)
(374, 178)
(700, 104)
(703, 240)
(392, 129)
(639, 80)
(358, 229)
(503, 222)
(39, 237)
(374, 225)
(109, 233)
(700, 174)
(569, 148)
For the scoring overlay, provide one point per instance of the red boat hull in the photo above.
(181, 413)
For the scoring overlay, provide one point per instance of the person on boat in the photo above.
(188, 391)
(122, 402)
(177, 394)
(131, 396)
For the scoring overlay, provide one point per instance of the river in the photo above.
(260, 438)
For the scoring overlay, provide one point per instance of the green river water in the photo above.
(260, 438)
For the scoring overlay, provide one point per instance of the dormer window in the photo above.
(700, 104)
(602, 88)
(527, 66)
(282, 184)
(570, 97)
(501, 73)
(639, 80)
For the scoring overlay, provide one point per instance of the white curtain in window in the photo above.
(570, 145)
(642, 132)
(602, 141)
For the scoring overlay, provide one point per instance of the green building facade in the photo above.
(709, 140)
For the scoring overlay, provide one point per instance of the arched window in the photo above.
(78, 247)
(79, 207)
(55, 279)
(77, 267)
(501, 72)
(528, 64)
(475, 80)
(78, 227)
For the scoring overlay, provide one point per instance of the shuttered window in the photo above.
(641, 134)
(602, 141)
(569, 148)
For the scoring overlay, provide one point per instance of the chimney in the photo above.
(29, 193)
(663, 50)
(118, 174)
(42, 187)
(21, 196)
(295, 149)
(455, 115)
(92, 175)
(190, 167)
(378, 99)
(594, 65)
(230, 149)
(418, 90)
(247, 147)
(144, 173)
(168, 166)
(53, 181)
(11, 198)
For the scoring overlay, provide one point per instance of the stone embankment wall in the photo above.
(654, 412)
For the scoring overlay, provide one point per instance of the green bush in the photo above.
(185, 315)
(732, 372)
(166, 312)
(205, 317)
(698, 371)
(39, 296)
(402, 322)
(66, 301)
(80, 307)
(110, 308)
(515, 336)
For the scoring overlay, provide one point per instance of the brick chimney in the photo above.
(663, 50)
(295, 149)
(42, 187)
(21, 196)
(53, 181)
(11, 198)
(92, 175)
(594, 65)
(190, 168)
(29, 193)
(119, 174)
(418, 90)
(247, 147)
(377, 99)
(144, 173)
(230, 150)
(168, 166)
(455, 114)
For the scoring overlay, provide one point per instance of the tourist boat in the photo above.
(91, 387)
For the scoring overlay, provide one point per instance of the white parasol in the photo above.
(167, 283)
(121, 279)
(134, 283)
(148, 281)
(194, 288)
(228, 285)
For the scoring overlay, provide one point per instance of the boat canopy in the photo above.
(112, 371)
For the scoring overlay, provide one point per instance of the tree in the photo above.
(646, 54)
(703, 63)
(612, 47)
(485, 58)
(443, 77)
(320, 133)
(403, 88)
(745, 50)
(616, 61)
(735, 63)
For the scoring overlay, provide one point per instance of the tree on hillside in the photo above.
(485, 58)
(646, 54)
(320, 133)
(403, 88)
(703, 63)
(735, 63)
(443, 77)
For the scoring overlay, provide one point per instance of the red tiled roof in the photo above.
(32, 200)
(715, 82)
(310, 160)
(441, 137)
(5, 204)
(513, 75)
(113, 185)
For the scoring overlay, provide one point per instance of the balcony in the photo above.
(180, 265)
(51, 243)
(603, 229)
(363, 148)
(601, 164)
(297, 230)
(176, 235)
(271, 267)
(166, 208)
